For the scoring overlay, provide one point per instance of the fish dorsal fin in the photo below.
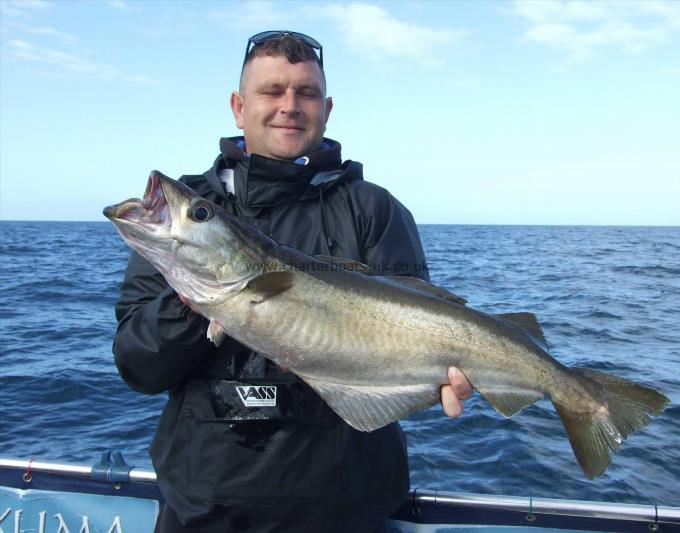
(526, 321)
(270, 284)
(344, 264)
(216, 333)
(425, 287)
(369, 407)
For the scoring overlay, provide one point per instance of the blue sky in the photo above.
(538, 112)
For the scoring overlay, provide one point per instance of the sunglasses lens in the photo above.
(265, 36)
(307, 40)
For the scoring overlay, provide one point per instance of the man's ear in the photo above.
(329, 106)
(236, 103)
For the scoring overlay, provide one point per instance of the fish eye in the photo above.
(201, 212)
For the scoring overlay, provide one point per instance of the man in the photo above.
(226, 462)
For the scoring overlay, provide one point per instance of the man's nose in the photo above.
(290, 103)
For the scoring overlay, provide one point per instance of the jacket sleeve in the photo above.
(159, 340)
(391, 241)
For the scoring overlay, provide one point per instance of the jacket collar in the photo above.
(261, 181)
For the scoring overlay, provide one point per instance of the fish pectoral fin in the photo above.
(269, 284)
(216, 333)
(423, 286)
(508, 400)
(369, 407)
(528, 322)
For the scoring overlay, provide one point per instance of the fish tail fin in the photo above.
(624, 408)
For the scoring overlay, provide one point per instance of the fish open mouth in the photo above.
(152, 209)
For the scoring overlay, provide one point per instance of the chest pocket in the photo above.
(284, 399)
(243, 385)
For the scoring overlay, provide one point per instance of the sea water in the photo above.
(608, 298)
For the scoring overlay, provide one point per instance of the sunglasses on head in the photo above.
(265, 36)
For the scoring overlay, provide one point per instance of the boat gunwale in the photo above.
(550, 506)
(649, 513)
(137, 475)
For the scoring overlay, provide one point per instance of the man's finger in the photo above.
(459, 384)
(450, 402)
(186, 302)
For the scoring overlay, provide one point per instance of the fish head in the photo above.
(202, 251)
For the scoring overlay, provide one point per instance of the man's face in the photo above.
(282, 107)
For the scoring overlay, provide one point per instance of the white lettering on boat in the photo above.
(61, 525)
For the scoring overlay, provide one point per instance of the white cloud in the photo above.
(21, 8)
(368, 29)
(580, 28)
(558, 11)
(253, 16)
(374, 33)
(579, 44)
(51, 32)
(71, 63)
(121, 5)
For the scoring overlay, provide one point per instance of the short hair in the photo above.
(287, 45)
(294, 50)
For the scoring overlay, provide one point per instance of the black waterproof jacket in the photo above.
(294, 466)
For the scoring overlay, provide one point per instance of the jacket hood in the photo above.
(262, 182)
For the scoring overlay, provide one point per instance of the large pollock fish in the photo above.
(375, 348)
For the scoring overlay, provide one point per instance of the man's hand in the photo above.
(186, 302)
(458, 389)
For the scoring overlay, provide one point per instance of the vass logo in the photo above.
(257, 395)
